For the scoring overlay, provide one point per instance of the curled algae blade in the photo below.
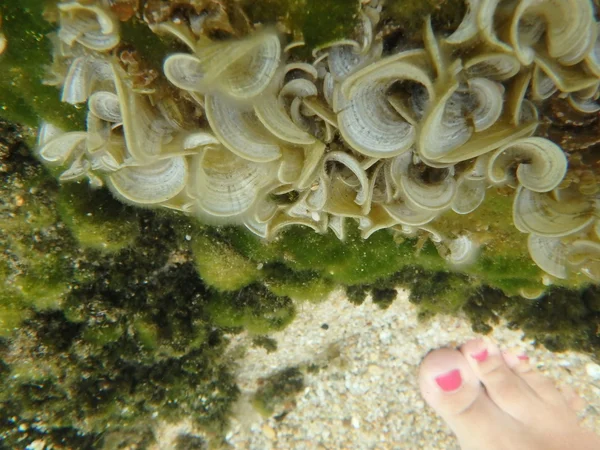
(240, 69)
(390, 136)
(153, 183)
(541, 214)
(542, 164)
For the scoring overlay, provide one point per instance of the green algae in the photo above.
(353, 261)
(128, 333)
(504, 260)
(303, 285)
(409, 14)
(24, 98)
(269, 344)
(254, 308)
(220, 266)
(12, 310)
(152, 48)
(318, 22)
(146, 344)
(38, 258)
(96, 219)
(324, 22)
(277, 390)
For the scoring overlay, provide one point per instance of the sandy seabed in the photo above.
(365, 395)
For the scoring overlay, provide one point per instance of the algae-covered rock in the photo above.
(12, 310)
(297, 284)
(254, 308)
(138, 327)
(563, 319)
(96, 219)
(37, 251)
(220, 266)
(95, 338)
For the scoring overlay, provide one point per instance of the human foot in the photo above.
(496, 401)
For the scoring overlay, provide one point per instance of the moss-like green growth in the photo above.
(504, 261)
(95, 344)
(436, 292)
(278, 390)
(357, 294)
(299, 256)
(299, 285)
(328, 21)
(12, 309)
(250, 245)
(318, 22)
(254, 308)
(383, 297)
(354, 261)
(24, 98)
(269, 344)
(190, 442)
(563, 319)
(37, 250)
(152, 48)
(139, 328)
(96, 219)
(220, 266)
(314, 289)
(409, 14)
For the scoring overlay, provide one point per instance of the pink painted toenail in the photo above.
(523, 357)
(480, 356)
(449, 381)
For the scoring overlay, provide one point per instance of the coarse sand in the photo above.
(365, 394)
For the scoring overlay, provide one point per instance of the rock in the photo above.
(593, 370)
(385, 337)
(269, 432)
(374, 370)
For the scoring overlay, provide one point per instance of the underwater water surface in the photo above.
(176, 175)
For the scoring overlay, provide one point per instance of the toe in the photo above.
(449, 385)
(575, 402)
(543, 386)
(505, 388)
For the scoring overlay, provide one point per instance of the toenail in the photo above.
(449, 381)
(480, 356)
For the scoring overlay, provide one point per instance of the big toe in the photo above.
(451, 387)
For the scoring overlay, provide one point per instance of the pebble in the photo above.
(374, 370)
(593, 370)
(36, 445)
(385, 337)
(268, 431)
